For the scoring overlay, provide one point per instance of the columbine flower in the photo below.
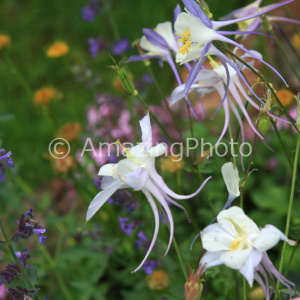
(138, 171)
(57, 49)
(237, 242)
(255, 23)
(193, 286)
(196, 32)
(208, 81)
(27, 226)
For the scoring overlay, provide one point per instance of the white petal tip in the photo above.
(292, 243)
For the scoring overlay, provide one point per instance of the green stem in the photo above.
(53, 266)
(112, 22)
(15, 259)
(244, 289)
(164, 99)
(176, 246)
(288, 220)
(18, 74)
(231, 140)
(284, 52)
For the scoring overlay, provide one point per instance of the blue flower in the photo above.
(121, 46)
(90, 11)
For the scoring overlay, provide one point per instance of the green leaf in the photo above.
(33, 275)
(2, 244)
(15, 238)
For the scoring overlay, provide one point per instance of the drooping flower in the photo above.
(138, 171)
(196, 32)
(231, 177)
(27, 226)
(208, 81)
(237, 242)
(255, 23)
(57, 49)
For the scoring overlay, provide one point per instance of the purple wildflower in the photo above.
(149, 266)
(142, 241)
(10, 271)
(27, 226)
(91, 10)
(127, 225)
(121, 46)
(97, 45)
(19, 293)
(5, 157)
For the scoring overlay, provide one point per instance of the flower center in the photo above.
(240, 243)
(186, 42)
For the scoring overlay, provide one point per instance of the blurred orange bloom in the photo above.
(285, 96)
(158, 280)
(296, 40)
(70, 131)
(4, 41)
(64, 164)
(57, 49)
(45, 95)
(170, 164)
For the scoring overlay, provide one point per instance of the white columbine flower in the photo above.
(237, 242)
(138, 171)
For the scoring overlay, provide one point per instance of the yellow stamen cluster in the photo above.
(240, 242)
(186, 42)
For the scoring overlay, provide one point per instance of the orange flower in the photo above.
(158, 280)
(170, 164)
(296, 40)
(65, 164)
(71, 131)
(57, 49)
(4, 41)
(45, 95)
(285, 96)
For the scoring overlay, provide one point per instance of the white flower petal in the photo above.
(157, 150)
(211, 259)
(101, 198)
(126, 166)
(231, 177)
(165, 30)
(236, 259)
(107, 170)
(249, 267)
(245, 223)
(137, 179)
(216, 241)
(146, 131)
(282, 236)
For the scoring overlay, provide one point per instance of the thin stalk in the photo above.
(244, 289)
(15, 259)
(164, 99)
(176, 246)
(284, 52)
(236, 281)
(231, 139)
(18, 74)
(288, 220)
(112, 22)
(191, 130)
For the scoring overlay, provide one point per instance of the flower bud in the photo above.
(193, 287)
(125, 79)
(264, 124)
